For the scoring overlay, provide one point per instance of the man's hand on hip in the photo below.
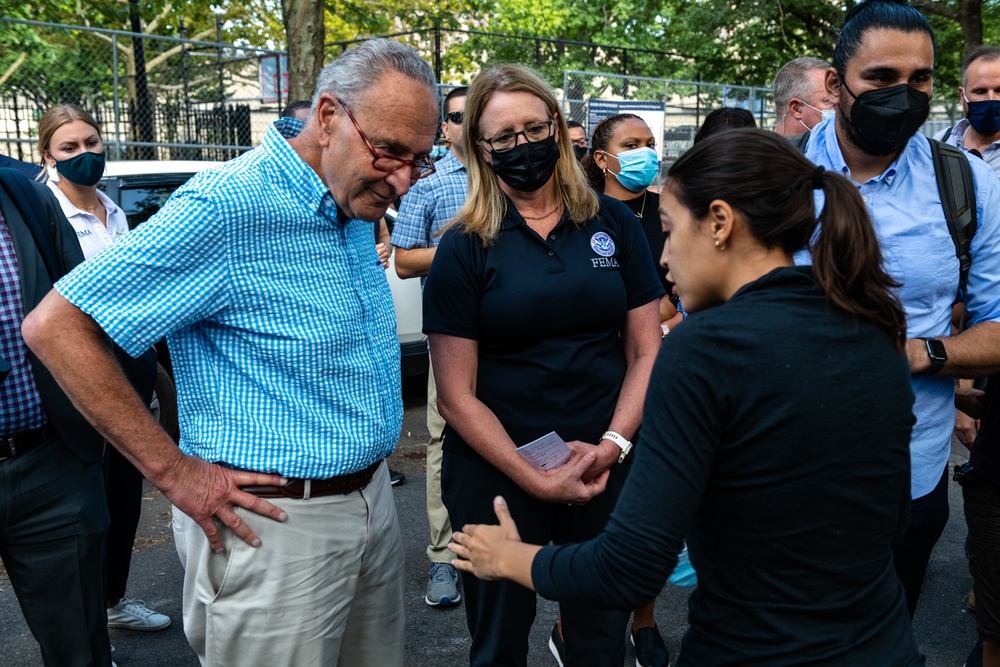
(207, 492)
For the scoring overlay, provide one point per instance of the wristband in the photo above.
(620, 440)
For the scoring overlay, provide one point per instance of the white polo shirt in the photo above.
(91, 232)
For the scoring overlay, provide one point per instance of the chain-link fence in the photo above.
(159, 97)
(672, 108)
(154, 97)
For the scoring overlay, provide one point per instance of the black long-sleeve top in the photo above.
(775, 438)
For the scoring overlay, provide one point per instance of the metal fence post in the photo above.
(277, 83)
(437, 49)
(218, 39)
(566, 103)
(187, 96)
(114, 66)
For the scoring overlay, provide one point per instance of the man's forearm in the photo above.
(974, 352)
(413, 262)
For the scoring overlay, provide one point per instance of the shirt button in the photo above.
(864, 199)
(553, 237)
(551, 253)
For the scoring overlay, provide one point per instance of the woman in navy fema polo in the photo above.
(542, 312)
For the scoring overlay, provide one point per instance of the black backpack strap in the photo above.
(19, 189)
(958, 199)
(947, 133)
(800, 141)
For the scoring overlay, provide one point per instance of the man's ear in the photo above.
(795, 108)
(833, 85)
(327, 110)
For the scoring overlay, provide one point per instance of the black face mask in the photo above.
(883, 120)
(83, 169)
(580, 152)
(528, 166)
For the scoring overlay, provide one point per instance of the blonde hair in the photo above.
(485, 204)
(55, 118)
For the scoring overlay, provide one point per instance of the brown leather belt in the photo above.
(25, 441)
(303, 489)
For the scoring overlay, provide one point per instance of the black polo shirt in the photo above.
(646, 208)
(547, 315)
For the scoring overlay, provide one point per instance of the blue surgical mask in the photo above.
(984, 116)
(637, 168)
(825, 114)
(84, 169)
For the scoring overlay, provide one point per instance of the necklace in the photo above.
(638, 213)
(542, 217)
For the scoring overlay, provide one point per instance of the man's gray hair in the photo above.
(350, 75)
(793, 81)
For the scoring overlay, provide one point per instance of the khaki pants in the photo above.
(324, 588)
(437, 513)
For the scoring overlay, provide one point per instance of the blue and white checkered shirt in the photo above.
(278, 316)
(430, 205)
(20, 404)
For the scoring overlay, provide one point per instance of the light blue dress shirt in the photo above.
(918, 252)
(277, 314)
(957, 138)
(430, 205)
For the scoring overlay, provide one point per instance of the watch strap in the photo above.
(937, 360)
(623, 443)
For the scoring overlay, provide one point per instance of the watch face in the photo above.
(935, 349)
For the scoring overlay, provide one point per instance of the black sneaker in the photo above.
(650, 651)
(557, 646)
(396, 478)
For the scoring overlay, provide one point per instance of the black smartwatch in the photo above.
(936, 353)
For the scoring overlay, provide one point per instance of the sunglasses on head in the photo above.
(455, 117)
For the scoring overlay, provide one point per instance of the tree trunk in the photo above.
(142, 111)
(304, 32)
(970, 16)
(967, 13)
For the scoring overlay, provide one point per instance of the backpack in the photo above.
(958, 199)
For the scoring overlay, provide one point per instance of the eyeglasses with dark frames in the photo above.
(387, 163)
(455, 117)
(507, 140)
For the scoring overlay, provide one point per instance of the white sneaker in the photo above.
(134, 615)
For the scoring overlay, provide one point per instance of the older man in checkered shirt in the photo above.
(263, 277)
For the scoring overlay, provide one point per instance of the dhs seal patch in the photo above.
(602, 244)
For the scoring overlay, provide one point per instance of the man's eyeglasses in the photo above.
(507, 140)
(455, 117)
(387, 163)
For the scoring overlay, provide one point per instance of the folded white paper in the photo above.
(547, 452)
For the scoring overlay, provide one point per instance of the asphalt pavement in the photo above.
(438, 637)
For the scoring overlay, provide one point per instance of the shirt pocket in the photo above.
(928, 270)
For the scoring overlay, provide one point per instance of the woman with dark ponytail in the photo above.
(775, 430)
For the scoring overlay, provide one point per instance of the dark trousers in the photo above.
(928, 516)
(500, 613)
(123, 486)
(982, 513)
(53, 520)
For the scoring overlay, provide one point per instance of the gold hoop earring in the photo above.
(719, 246)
